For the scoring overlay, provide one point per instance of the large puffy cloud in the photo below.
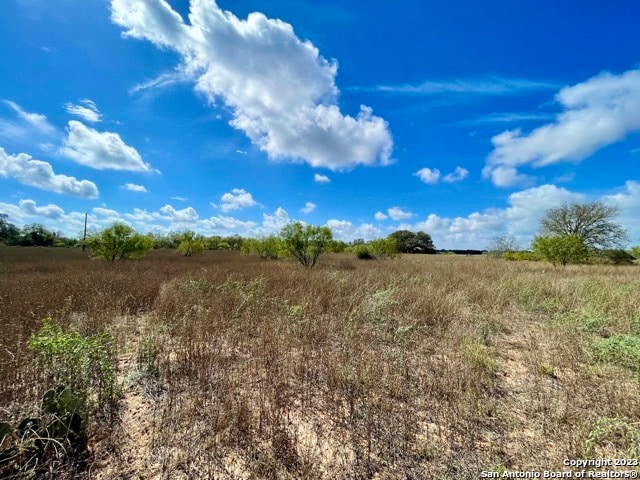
(237, 199)
(281, 90)
(185, 215)
(597, 112)
(273, 223)
(50, 211)
(345, 230)
(396, 213)
(37, 173)
(520, 219)
(101, 150)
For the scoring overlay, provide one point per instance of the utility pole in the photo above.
(84, 237)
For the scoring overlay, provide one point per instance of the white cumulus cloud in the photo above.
(380, 216)
(280, 89)
(318, 178)
(396, 213)
(596, 113)
(345, 230)
(186, 215)
(428, 175)
(457, 175)
(37, 173)
(132, 187)
(237, 199)
(100, 150)
(308, 207)
(50, 211)
(274, 223)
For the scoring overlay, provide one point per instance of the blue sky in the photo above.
(463, 119)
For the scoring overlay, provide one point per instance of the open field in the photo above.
(429, 366)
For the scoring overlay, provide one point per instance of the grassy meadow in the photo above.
(230, 367)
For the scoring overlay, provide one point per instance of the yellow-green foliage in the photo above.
(270, 247)
(520, 256)
(384, 248)
(190, 243)
(560, 249)
(118, 242)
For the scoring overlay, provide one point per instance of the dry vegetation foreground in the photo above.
(230, 367)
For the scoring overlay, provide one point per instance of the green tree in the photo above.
(635, 252)
(306, 242)
(9, 233)
(384, 247)
(410, 242)
(190, 243)
(36, 235)
(560, 249)
(593, 222)
(118, 242)
(270, 247)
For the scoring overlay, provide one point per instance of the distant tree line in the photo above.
(571, 233)
(31, 235)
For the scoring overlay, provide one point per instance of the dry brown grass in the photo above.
(423, 367)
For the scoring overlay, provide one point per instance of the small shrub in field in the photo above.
(82, 370)
(622, 350)
(83, 364)
(362, 252)
(384, 248)
(560, 249)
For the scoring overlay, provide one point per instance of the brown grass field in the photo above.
(231, 367)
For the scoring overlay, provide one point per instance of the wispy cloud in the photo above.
(88, 110)
(132, 187)
(29, 123)
(162, 81)
(476, 86)
(507, 117)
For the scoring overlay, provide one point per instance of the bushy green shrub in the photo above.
(362, 252)
(520, 256)
(384, 248)
(119, 242)
(190, 243)
(270, 247)
(560, 249)
(84, 364)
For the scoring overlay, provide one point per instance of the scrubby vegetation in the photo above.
(224, 365)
